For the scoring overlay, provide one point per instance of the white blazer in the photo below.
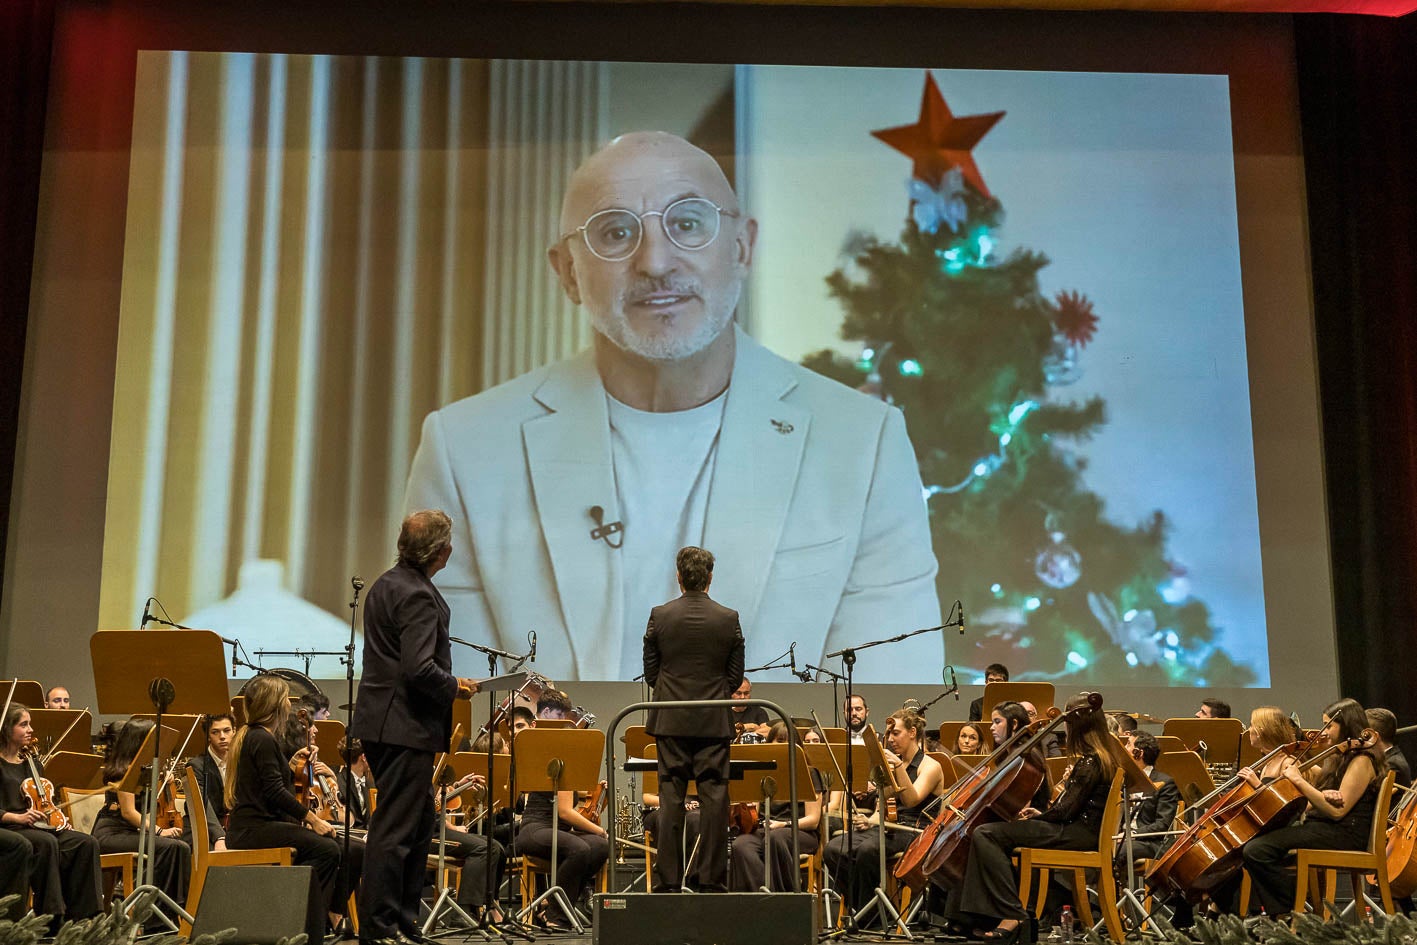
(815, 514)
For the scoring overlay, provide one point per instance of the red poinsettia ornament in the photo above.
(1075, 319)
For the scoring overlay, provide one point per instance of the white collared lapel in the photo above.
(569, 460)
(759, 452)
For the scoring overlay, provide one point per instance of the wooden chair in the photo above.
(203, 857)
(1078, 861)
(1356, 863)
(83, 807)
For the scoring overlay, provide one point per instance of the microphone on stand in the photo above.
(792, 656)
(533, 646)
(357, 583)
(954, 683)
(233, 659)
(146, 604)
(961, 618)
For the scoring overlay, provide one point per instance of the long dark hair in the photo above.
(1087, 733)
(1015, 717)
(126, 746)
(1352, 719)
(12, 718)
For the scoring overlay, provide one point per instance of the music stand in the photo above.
(443, 779)
(62, 730)
(1221, 737)
(1192, 777)
(148, 760)
(1041, 694)
(558, 760)
(832, 736)
(763, 789)
(824, 758)
(885, 787)
(78, 770)
(125, 661)
(329, 739)
(28, 693)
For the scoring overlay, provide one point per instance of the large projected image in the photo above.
(878, 350)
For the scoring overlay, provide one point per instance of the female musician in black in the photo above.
(1341, 802)
(120, 823)
(64, 872)
(1007, 719)
(581, 846)
(746, 869)
(990, 889)
(918, 779)
(264, 810)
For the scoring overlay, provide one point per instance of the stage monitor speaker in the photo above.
(705, 919)
(264, 904)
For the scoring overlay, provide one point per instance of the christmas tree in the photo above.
(979, 360)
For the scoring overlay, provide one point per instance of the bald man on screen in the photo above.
(682, 429)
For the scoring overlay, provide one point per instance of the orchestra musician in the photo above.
(1157, 811)
(746, 865)
(693, 649)
(120, 821)
(210, 766)
(403, 716)
(1006, 720)
(56, 698)
(857, 712)
(1342, 795)
(969, 741)
(60, 866)
(995, 673)
(260, 793)
(918, 778)
(355, 780)
(1384, 722)
(750, 719)
(990, 889)
(581, 849)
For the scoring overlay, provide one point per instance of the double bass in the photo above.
(1000, 795)
(1210, 851)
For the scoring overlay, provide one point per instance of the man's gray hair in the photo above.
(695, 566)
(424, 535)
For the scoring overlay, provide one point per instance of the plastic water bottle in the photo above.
(1065, 921)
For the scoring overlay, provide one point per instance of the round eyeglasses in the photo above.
(612, 235)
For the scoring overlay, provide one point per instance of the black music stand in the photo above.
(555, 760)
(885, 787)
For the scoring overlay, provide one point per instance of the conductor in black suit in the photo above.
(693, 650)
(403, 717)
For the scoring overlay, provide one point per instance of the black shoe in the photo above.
(410, 938)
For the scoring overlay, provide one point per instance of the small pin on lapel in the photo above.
(781, 426)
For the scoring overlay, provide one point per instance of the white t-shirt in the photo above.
(663, 468)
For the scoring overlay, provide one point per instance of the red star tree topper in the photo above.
(940, 141)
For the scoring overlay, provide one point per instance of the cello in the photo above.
(908, 867)
(1402, 850)
(1002, 794)
(1209, 852)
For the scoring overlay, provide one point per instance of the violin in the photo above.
(1210, 851)
(40, 791)
(594, 803)
(452, 800)
(168, 816)
(743, 818)
(317, 792)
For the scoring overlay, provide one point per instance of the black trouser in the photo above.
(579, 856)
(857, 871)
(17, 864)
(172, 859)
(1266, 854)
(399, 838)
(321, 854)
(471, 850)
(64, 875)
(705, 762)
(746, 870)
(990, 886)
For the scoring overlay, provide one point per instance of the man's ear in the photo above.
(747, 239)
(564, 265)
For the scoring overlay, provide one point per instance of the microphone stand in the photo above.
(234, 644)
(848, 662)
(348, 659)
(952, 690)
(489, 894)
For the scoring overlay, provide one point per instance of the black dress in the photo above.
(60, 867)
(990, 887)
(746, 870)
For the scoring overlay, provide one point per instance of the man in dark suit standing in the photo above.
(403, 717)
(693, 650)
(1157, 811)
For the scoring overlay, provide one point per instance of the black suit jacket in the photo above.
(976, 710)
(359, 807)
(407, 689)
(209, 780)
(1157, 811)
(693, 650)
